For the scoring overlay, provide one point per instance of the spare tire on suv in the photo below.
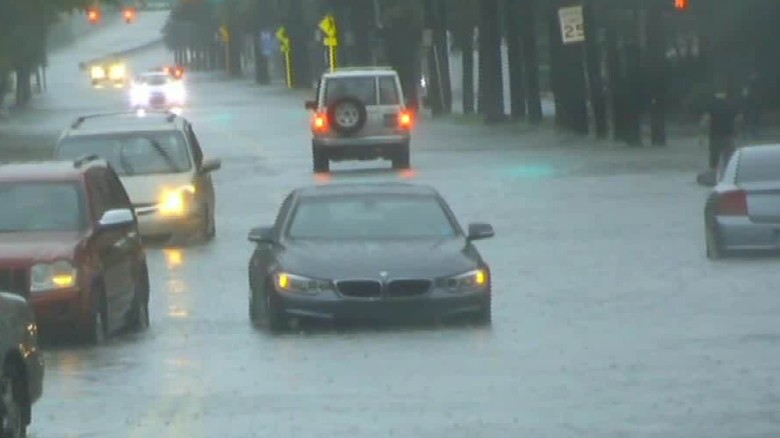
(347, 115)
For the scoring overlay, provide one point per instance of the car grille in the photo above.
(360, 288)
(15, 280)
(408, 288)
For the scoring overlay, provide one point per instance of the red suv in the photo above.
(69, 243)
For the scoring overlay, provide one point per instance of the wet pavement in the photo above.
(608, 318)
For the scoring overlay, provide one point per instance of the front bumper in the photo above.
(741, 234)
(61, 309)
(329, 306)
(156, 227)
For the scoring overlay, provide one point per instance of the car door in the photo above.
(203, 182)
(129, 247)
(111, 249)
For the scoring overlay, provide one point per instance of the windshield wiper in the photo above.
(166, 156)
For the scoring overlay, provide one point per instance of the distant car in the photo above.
(70, 246)
(158, 90)
(367, 251)
(21, 362)
(160, 162)
(108, 73)
(360, 114)
(742, 213)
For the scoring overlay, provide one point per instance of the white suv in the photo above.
(360, 115)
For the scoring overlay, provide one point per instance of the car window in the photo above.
(362, 88)
(154, 80)
(758, 165)
(197, 152)
(388, 92)
(370, 217)
(137, 153)
(41, 207)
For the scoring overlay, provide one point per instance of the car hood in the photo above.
(147, 189)
(365, 260)
(39, 246)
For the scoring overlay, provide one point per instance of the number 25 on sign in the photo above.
(572, 24)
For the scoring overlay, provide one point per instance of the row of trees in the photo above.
(23, 38)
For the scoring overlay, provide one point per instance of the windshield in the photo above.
(370, 217)
(137, 153)
(154, 79)
(40, 207)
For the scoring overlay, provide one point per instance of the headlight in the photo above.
(97, 72)
(298, 284)
(175, 92)
(117, 71)
(470, 282)
(52, 276)
(176, 202)
(139, 94)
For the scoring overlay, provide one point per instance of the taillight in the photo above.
(320, 122)
(733, 204)
(405, 119)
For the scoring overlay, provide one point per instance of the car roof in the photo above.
(394, 188)
(42, 171)
(117, 123)
(360, 71)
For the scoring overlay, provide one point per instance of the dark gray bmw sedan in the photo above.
(367, 251)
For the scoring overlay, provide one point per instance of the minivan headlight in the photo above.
(52, 276)
(176, 202)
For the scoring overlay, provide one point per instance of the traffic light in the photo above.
(93, 15)
(681, 5)
(129, 14)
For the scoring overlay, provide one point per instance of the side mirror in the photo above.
(480, 231)
(311, 105)
(262, 235)
(211, 165)
(117, 219)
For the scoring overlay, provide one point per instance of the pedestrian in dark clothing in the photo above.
(722, 113)
(752, 102)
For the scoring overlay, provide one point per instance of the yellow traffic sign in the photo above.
(281, 35)
(328, 26)
(224, 34)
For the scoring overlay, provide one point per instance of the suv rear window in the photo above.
(758, 165)
(362, 88)
(388, 92)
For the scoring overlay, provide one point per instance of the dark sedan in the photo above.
(742, 213)
(21, 376)
(367, 251)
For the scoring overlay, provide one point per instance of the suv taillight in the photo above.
(320, 122)
(405, 119)
(733, 204)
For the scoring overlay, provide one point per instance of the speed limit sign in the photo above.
(572, 24)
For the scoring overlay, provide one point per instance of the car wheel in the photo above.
(713, 244)
(275, 319)
(12, 404)
(347, 115)
(140, 315)
(255, 316)
(401, 159)
(484, 315)
(212, 230)
(320, 162)
(96, 332)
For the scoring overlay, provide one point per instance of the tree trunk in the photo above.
(657, 74)
(435, 97)
(556, 68)
(490, 80)
(443, 51)
(299, 34)
(593, 55)
(616, 80)
(468, 72)
(515, 54)
(23, 85)
(527, 14)
(569, 61)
